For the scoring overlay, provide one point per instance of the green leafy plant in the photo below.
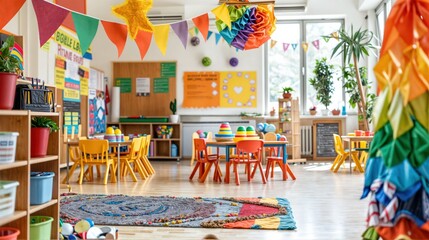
(353, 46)
(287, 89)
(8, 63)
(322, 81)
(44, 122)
(173, 106)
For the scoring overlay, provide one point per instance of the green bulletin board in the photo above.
(168, 69)
(161, 85)
(124, 84)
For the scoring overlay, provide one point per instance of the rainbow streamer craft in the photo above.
(18, 53)
(250, 26)
(397, 172)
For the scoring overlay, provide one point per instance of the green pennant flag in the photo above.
(86, 28)
(196, 30)
(326, 38)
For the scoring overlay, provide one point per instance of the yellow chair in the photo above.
(147, 166)
(76, 159)
(342, 155)
(132, 158)
(96, 153)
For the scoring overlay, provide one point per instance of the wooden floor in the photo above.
(325, 205)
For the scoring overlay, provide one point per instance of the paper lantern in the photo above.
(195, 41)
(233, 61)
(206, 61)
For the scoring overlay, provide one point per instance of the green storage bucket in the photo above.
(40, 227)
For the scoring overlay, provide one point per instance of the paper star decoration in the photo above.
(134, 12)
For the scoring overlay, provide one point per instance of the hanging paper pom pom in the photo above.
(233, 61)
(195, 41)
(206, 61)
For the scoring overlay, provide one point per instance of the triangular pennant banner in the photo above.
(316, 44)
(209, 35)
(236, 49)
(196, 31)
(49, 18)
(294, 45)
(221, 12)
(191, 32)
(161, 37)
(202, 24)
(326, 38)
(305, 47)
(86, 28)
(143, 40)
(117, 33)
(273, 43)
(217, 35)
(334, 35)
(285, 46)
(181, 30)
(8, 9)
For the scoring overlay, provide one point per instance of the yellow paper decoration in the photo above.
(335, 35)
(222, 13)
(305, 46)
(134, 13)
(273, 43)
(160, 33)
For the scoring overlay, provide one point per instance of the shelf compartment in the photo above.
(16, 215)
(13, 112)
(36, 208)
(13, 165)
(45, 114)
(44, 159)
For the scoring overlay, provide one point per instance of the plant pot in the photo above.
(39, 141)
(174, 118)
(313, 112)
(287, 95)
(8, 89)
(325, 112)
(336, 112)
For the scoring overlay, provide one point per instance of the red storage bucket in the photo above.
(8, 233)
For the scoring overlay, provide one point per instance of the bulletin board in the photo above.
(146, 87)
(323, 138)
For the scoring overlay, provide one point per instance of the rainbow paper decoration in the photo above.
(397, 172)
(250, 26)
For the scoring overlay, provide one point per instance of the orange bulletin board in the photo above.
(162, 89)
(231, 89)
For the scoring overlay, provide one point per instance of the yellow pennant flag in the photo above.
(335, 35)
(192, 32)
(273, 43)
(221, 12)
(160, 33)
(305, 46)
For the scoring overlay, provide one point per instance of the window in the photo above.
(289, 65)
(382, 12)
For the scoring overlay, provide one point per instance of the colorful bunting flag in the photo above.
(86, 28)
(160, 33)
(218, 36)
(273, 43)
(134, 12)
(221, 12)
(326, 38)
(49, 18)
(316, 44)
(192, 32)
(181, 30)
(202, 23)
(285, 46)
(143, 40)
(117, 33)
(305, 46)
(209, 35)
(8, 9)
(335, 35)
(294, 45)
(196, 31)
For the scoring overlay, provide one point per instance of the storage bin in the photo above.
(40, 227)
(7, 197)
(8, 233)
(8, 146)
(41, 187)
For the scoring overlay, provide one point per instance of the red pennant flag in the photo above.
(202, 23)
(285, 46)
(8, 10)
(316, 44)
(143, 40)
(106, 99)
(117, 33)
(49, 18)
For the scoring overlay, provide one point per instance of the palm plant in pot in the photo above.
(9, 67)
(173, 107)
(287, 92)
(40, 129)
(323, 83)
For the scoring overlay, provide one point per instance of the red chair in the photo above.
(248, 152)
(274, 158)
(204, 158)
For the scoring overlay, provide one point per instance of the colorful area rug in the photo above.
(169, 211)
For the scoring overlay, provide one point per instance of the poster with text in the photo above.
(97, 112)
(142, 86)
(71, 102)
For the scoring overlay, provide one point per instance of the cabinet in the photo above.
(289, 125)
(161, 148)
(20, 121)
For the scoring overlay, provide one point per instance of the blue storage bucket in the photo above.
(41, 187)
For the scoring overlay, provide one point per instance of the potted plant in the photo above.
(287, 92)
(323, 83)
(40, 129)
(313, 110)
(9, 67)
(336, 111)
(173, 107)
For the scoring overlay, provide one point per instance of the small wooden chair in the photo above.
(274, 158)
(248, 152)
(132, 159)
(342, 155)
(204, 158)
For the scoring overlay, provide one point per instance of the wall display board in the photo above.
(323, 139)
(220, 89)
(146, 87)
(96, 103)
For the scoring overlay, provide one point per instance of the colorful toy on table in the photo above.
(201, 134)
(265, 127)
(225, 133)
(164, 131)
(110, 134)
